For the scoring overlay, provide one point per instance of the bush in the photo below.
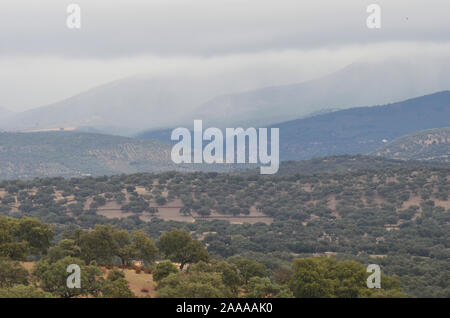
(163, 270)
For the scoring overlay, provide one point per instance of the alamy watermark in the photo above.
(374, 279)
(213, 152)
(74, 279)
(73, 20)
(374, 19)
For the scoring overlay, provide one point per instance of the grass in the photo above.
(140, 281)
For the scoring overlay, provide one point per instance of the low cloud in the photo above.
(238, 44)
(27, 82)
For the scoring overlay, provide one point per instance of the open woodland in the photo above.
(395, 216)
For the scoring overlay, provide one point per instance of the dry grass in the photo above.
(140, 281)
(28, 266)
(112, 210)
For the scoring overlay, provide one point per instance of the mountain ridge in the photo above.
(137, 103)
(358, 130)
(355, 85)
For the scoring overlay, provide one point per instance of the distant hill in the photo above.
(134, 104)
(430, 145)
(68, 154)
(120, 107)
(359, 84)
(362, 129)
(359, 130)
(75, 154)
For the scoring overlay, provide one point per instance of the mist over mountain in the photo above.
(140, 103)
(355, 85)
(4, 113)
(358, 130)
(121, 107)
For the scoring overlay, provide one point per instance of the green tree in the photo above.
(52, 277)
(193, 285)
(283, 275)
(116, 286)
(37, 234)
(21, 237)
(179, 246)
(164, 269)
(98, 244)
(316, 277)
(66, 247)
(122, 246)
(230, 276)
(12, 273)
(328, 277)
(249, 268)
(262, 287)
(144, 247)
(185, 210)
(22, 291)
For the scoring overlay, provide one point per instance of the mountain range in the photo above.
(130, 105)
(361, 129)
(377, 130)
(77, 154)
(358, 84)
(119, 107)
(358, 130)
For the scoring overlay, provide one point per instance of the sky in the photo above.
(245, 43)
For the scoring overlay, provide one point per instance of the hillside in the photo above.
(430, 145)
(68, 154)
(361, 129)
(74, 154)
(359, 84)
(137, 103)
(119, 107)
(395, 217)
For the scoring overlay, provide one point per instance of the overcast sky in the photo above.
(248, 43)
